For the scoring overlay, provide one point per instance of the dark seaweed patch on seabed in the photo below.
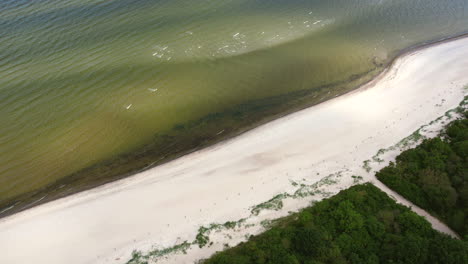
(186, 138)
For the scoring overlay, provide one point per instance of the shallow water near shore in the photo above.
(85, 82)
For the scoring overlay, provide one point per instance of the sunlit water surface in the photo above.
(85, 80)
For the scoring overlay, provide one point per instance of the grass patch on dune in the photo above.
(419, 135)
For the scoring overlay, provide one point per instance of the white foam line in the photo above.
(6, 209)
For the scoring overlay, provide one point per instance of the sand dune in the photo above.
(167, 204)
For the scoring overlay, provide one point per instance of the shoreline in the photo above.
(53, 192)
(167, 204)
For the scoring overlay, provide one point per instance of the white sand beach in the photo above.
(167, 204)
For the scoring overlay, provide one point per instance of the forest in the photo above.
(358, 225)
(434, 176)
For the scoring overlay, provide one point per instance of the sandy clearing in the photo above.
(167, 204)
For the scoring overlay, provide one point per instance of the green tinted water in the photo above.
(83, 81)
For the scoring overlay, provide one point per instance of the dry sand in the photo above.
(167, 204)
